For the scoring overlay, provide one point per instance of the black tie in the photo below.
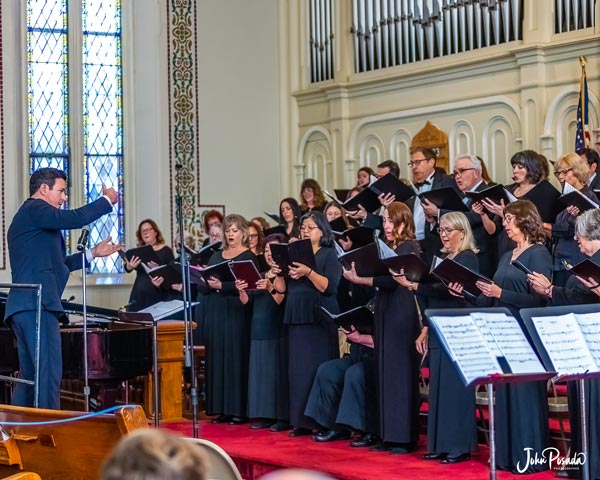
(420, 184)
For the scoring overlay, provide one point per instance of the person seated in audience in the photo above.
(343, 395)
(313, 338)
(571, 171)
(364, 176)
(148, 454)
(146, 290)
(311, 196)
(451, 423)
(580, 291)
(289, 217)
(213, 221)
(593, 159)
(396, 327)
(268, 370)
(522, 409)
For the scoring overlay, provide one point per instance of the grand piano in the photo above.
(117, 350)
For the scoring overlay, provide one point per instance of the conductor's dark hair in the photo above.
(321, 221)
(536, 165)
(45, 175)
(393, 166)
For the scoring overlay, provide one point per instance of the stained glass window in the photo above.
(74, 65)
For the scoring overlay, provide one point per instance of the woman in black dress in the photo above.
(313, 337)
(146, 291)
(522, 409)
(571, 171)
(396, 327)
(451, 422)
(311, 196)
(580, 291)
(267, 377)
(225, 329)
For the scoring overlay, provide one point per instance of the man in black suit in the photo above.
(427, 177)
(592, 158)
(37, 256)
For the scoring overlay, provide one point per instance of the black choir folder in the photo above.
(220, 271)
(360, 236)
(446, 198)
(145, 253)
(368, 198)
(449, 271)
(487, 345)
(284, 254)
(496, 193)
(202, 256)
(567, 339)
(585, 269)
(361, 318)
(171, 273)
(577, 199)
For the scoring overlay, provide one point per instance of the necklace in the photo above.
(518, 251)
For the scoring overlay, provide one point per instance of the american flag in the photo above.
(582, 137)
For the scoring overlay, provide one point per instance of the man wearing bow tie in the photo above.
(426, 178)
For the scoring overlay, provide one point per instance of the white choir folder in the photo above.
(487, 346)
(567, 339)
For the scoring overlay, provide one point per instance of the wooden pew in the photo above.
(65, 450)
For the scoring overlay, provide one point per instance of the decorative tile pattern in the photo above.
(184, 162)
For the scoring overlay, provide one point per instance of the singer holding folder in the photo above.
(37, 255)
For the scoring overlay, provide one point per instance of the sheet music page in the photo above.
(162, 310)
(590, 327)
(564, 342)
(506, 338)
(384, 250)
(467, 346)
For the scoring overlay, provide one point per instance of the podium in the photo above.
(487, 346)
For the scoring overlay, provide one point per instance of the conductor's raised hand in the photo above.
(106, 248)
(110, 193)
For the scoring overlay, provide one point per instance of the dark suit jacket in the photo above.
(37, 251)
(595, 184)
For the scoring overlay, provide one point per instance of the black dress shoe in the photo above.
(366, 440)
(382, 447)
(434, 456)
(331, 435)
(299, 431)
(403, 448)
(463, 457)
(221, 419)
(280, 427)
(264, 423)
(238, 420)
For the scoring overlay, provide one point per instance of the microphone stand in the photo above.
(86, 386)
(187, 309)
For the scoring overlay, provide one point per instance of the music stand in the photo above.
(528, 315)
(499, 370)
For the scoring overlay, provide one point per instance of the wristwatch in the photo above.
(548, 290)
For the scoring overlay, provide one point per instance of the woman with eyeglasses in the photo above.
(146, 290)
(396, 328)
(451, 422)
(213, 227)
(256, 239)
(311, 196)
(580, 291)
(522, 409)
(572, 172)
(224, 328)
(313, 338)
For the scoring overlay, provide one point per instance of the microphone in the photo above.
(83, 239)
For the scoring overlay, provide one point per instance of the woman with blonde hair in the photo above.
(396, 327)
(224, 325)
(451, 427)
(573, 173)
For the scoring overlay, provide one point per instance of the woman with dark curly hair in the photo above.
(522, 409)
(311, 196)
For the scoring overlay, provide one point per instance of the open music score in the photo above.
(487, 347)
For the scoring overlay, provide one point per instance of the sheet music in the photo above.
(590, 327)
(467, 347)
(162, 310)
(511, 197)
(505, 338)
(565, 344)
(384, 250)
(568, 188)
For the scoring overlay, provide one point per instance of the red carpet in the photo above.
(259, 451)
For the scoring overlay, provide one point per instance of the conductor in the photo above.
(37, 255)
